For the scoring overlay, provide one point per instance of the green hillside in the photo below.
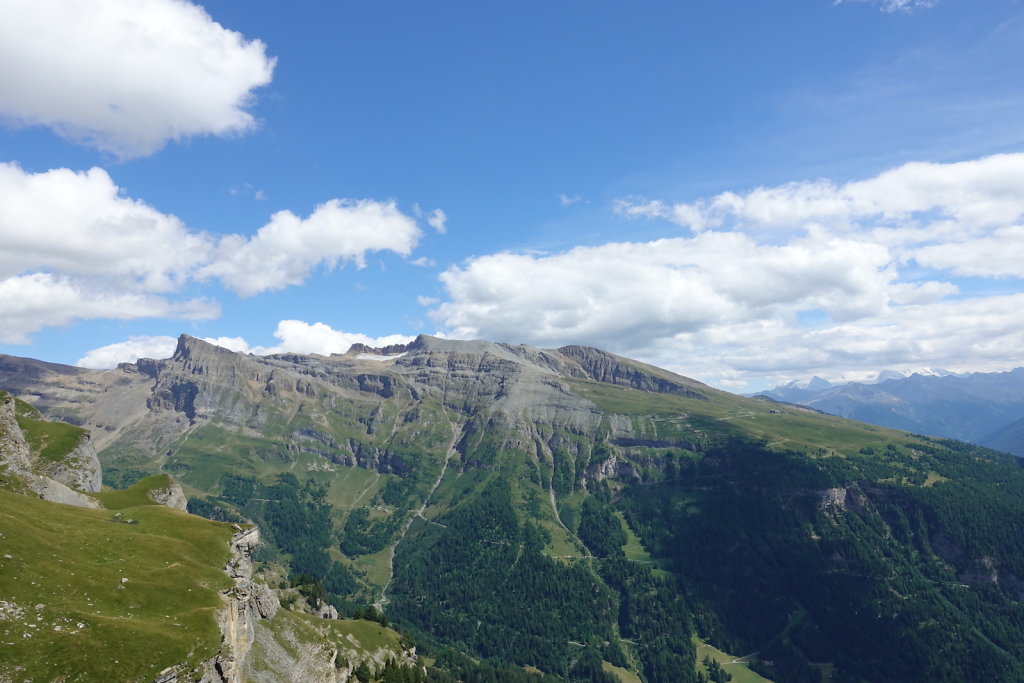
(91, 595)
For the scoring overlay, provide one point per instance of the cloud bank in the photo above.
(31, 302)
(76, 248)
(295, 336)
(126, 77)
(809, 277)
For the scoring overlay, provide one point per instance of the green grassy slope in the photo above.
(98, 595)
(723, 415)
(49, 440)
(135, 495)
(737, 667)
(294, 639)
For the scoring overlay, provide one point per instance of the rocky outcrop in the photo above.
(178, 396)
(80, 469)
(202, 380)
(613, 468)
(54, 491)
(173, 496)
(834, 498)
(301, 648)
(14, 450)
(389, 350)
(245, 603)
(850, 498)
(16, 454)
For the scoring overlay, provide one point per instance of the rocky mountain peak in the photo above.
(190, 347)
(389, 350)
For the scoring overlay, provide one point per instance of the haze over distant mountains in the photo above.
(986, 408)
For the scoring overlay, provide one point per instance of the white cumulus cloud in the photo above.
(128, 352)
(230, 343)
(80, 223)
(621, 294)
(975, 194)
(75, 236)
(288, 248)
(1000, 254)
(30, 302)
(126, 77)
(809, 277)
(438, 220)
(148, 347)
(297, 336)
(962, 217)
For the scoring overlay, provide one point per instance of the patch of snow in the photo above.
(372, 356)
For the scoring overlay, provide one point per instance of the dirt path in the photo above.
(381, 603)
(558, 518)
(733, 417)
(369, 487)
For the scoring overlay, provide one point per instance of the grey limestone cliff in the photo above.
(14, 450)
(80, 469)
(172, 495)
(50, 481)
(245, 603)
(375, 412)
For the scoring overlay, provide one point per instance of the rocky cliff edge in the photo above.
(51, 480)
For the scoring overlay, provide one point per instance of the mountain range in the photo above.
(982, 408)
(550, 514)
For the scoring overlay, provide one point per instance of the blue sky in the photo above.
(743, 191)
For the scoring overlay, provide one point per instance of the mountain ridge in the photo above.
(478, 491)
(975, 407)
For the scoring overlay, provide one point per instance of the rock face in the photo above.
(602, 366)
(51, 481)
(245, 604)
(80, 469)
(372, 411)
(54, 491)
(172, 496)
(389, 350)
(14, 450)
(298, 650)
